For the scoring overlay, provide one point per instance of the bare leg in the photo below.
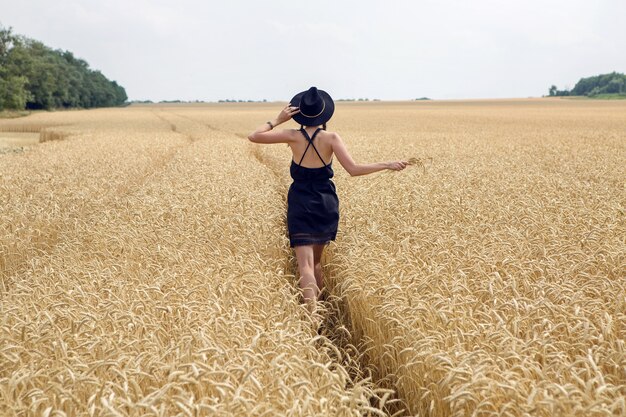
(308, 285)
(317, 265)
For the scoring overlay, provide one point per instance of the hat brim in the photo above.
(329, 109)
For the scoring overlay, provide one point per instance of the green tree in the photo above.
(552, 91)
(6, 41)
(611, 83)
(615, 86)
(13, 94)
(35, 76)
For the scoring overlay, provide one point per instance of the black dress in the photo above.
(312, 203)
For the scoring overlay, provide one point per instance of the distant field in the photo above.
(15, 139)
(597, 97)
(9, 114)
(145, 267)
(610, 96)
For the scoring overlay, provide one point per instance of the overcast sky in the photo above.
(395, 49)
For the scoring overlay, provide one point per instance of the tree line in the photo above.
(34, 76)
(613, 83)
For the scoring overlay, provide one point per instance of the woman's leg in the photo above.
(318, 250)
(305, 258)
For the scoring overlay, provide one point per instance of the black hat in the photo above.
(316, 107)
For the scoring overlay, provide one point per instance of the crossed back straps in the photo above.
(310, 140)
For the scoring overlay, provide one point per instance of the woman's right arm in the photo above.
(345, 159)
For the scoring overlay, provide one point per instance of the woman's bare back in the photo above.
(322, 142)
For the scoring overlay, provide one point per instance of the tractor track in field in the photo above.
(336, 325)
(160, 162)
(207, 125)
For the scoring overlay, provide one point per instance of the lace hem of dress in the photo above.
(300, 239)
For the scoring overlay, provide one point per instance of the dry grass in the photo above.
(145, 268)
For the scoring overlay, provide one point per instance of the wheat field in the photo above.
(145, 267)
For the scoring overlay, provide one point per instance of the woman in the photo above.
(312, 204)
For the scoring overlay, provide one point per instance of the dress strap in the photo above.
(310, 140)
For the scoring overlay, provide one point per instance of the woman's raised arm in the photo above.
(264, 133)
(345, 159)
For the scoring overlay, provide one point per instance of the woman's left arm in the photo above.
(265, 132)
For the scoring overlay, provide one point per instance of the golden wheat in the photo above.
(137, 279)
(145, 268)
(494, 283)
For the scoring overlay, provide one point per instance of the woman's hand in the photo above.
(396, 165)
(286, 114)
